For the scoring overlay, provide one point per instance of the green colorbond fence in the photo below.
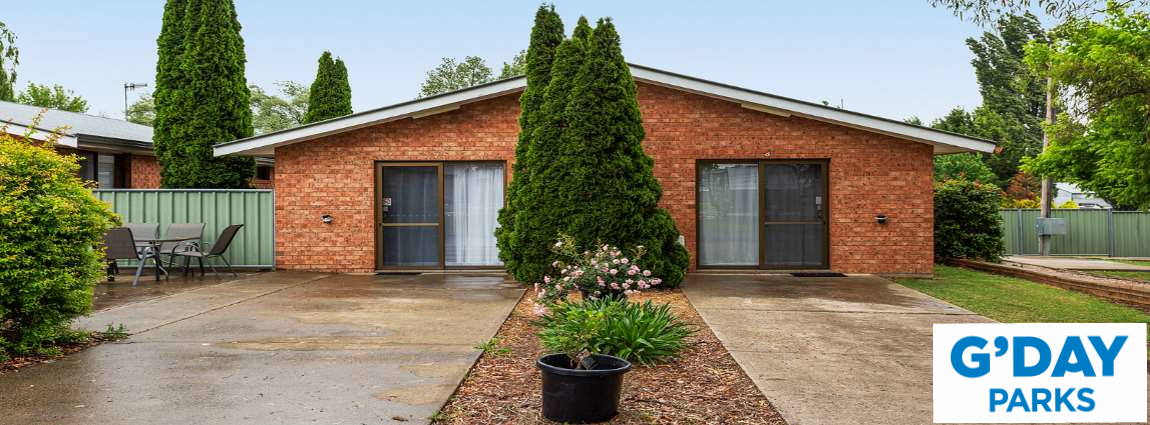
(254, 245)
(1091, 232)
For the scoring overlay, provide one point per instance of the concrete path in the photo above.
(275, 348)
(1075, 263)
(829, 350)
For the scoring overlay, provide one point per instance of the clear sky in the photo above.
(893, 58)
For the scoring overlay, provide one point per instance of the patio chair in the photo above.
(181, 230)
(143, 231)
(219, 248)
(119, 244)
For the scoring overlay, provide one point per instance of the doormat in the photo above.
(818, 274)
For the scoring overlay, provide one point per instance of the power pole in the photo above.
(1047, 184)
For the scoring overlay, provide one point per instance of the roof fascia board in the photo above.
(40, 134)
(832, 115)
(265, 144)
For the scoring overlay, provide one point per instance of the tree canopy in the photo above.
(55, 97)
(330, 94)
(1102, 141)
(453, 74)
(143, 110)
(201, 96)
(274, 113)
(8, 53)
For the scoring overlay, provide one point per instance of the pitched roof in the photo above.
(103, 130)
(944, 142)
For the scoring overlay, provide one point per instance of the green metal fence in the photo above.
(254, 245)
(1091, 232)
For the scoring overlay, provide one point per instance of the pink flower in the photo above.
(546, 279)
(615, 261)
(614, 271)
(631, 272)
(540, 309)
(646, 272)
(615, 286)
(625, 261)
(656, 281)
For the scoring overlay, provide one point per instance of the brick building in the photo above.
(115, 154)
(753, 180)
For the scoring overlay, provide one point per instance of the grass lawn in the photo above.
(1142, 276)
(1008, 299)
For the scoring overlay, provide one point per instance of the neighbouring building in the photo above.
(115, 154)
(753, 180)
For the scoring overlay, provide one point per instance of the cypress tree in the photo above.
(205, 98)
(546, 34)
(611, 195)
(330, 95)
(536, 232)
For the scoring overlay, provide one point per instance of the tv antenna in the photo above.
(129, 87)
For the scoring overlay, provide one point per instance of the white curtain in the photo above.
(729, 215)
(473, 195)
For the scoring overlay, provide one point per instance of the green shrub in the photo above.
(966, 220)
(639, 332)
(49, 225)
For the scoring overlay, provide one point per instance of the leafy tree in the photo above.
(517, 67)
(273, 113)
(8, 52)
(202, 97)
(612, 196)
(966, 220)
(452, 75)
(55, 97)
(534, 232)
(330, 93)
(48, 225)
(1101, 144)
(143, 110)
(985, 11)
(962, 166)
(546, 35)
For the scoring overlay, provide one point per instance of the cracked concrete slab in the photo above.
(276, 348)
(839, 350)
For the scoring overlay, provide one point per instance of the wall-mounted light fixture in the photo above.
(326, 218)
(881, 218)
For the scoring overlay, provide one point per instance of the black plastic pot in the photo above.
(578, 395)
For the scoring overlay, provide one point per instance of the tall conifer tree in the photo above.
(202, 96)
(535, 232)
(611, 195)
(546, 34)
(330, 93)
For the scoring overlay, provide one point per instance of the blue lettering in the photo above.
(1087, 401)
(982, 360)
(1108, 354)
(1040, 397)
(1021, 343)
(1061, 398)
(1017, 399)
(1073, 347)
(997, 398)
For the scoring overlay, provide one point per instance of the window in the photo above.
(109, 171)
(106, 171)
(264, 172)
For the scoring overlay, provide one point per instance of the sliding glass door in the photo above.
(436, 215)
(762, 214)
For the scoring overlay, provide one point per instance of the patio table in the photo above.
(155, 244)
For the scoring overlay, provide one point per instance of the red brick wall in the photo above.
(869, 174)
(145, 172)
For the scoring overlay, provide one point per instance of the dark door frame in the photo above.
(378, 213)
(762, 224)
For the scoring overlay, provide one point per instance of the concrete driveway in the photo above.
(274, 348)
(839, 350)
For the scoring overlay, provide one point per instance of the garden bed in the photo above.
(81, 343)
(704, 386)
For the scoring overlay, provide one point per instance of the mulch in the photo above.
(93, 339)
(704, 386)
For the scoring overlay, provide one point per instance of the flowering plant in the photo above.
(600, 273)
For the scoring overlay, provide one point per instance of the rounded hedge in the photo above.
(50, 224)
(966, 220)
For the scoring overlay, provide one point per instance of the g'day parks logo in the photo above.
(1040, 373)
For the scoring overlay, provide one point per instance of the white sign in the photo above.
(1040, 373)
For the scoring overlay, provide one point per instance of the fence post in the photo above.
(1021, 242)
(1112, 243)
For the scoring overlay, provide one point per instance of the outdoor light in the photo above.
(881, 218)
(326, 218)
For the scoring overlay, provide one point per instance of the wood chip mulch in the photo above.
(704, 386)
(13, 364)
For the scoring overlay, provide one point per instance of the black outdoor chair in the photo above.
(120, 245)
(181, 230)
(219, 248)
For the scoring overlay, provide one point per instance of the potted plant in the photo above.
(580, 386)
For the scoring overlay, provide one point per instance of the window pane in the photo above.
(794, 192)
(411, 246)
(794, 245)
(729, 214)
(472, 196)
(410, 194)
(106, 171)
